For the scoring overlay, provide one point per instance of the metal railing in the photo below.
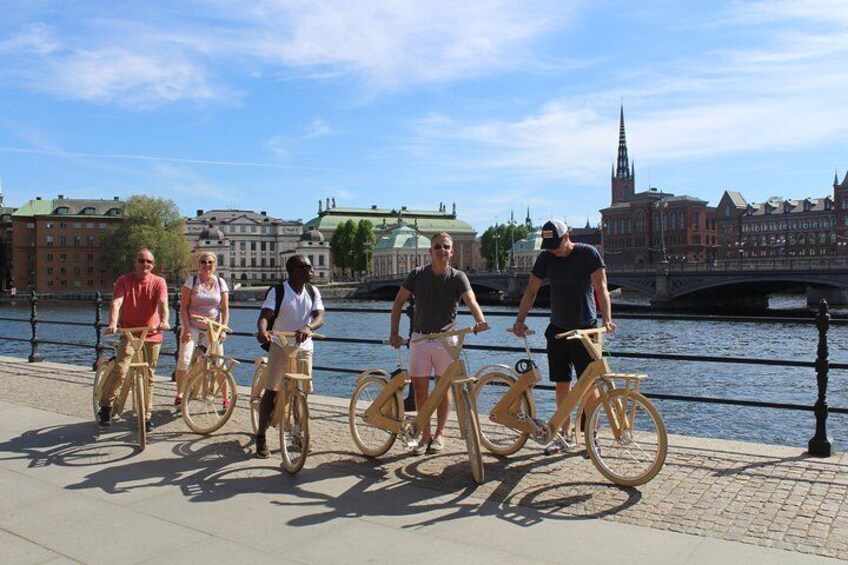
(819, 445)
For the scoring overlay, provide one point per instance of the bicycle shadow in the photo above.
(71, 445)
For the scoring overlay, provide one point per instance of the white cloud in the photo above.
(35, 38)
(317, 128)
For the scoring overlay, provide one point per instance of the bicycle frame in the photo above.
(597, 370)
(455, 376)
(292, 375)
(139, 361)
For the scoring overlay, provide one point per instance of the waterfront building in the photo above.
(781, 228)
(5, 243)
(56, 244)
(399, 250)
(641, 229)
(315, 246)
(251, 247)
(426, 222)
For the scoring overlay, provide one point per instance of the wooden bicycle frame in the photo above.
(455, 376)
(200, 360)
(139, 362)
(504, 411)
(286, 340)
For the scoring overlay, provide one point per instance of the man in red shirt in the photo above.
(140, 299)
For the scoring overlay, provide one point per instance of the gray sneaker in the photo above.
(560, 444)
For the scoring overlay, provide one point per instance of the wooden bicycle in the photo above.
(135, 381)
(627, 437)
(376, 413)
(210, 394)
(291, 411)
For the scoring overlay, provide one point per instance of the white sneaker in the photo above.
(560, 444)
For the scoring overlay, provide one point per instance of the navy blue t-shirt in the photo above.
(572, 295)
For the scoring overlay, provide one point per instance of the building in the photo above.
(426, 222)
(399, 250)
(783, 228)
(56, 244)
(251, 247)
(316, 248)
(645, 228)
(6, 278)
(526, 250)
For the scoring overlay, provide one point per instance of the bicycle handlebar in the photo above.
(577, 334)
(292, 334)
(528, 332)
(134, 330)
(449, 333)
(388, 342)
(210, 321)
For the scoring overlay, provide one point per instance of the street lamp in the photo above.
(661, 205)
(497, 237)
(512, 236)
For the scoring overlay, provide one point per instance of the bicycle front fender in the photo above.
(379, 373)
(485, 370)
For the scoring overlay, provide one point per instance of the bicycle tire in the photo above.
(639, 454)
(139, 405)
(294, 433)
(256, 396)
(471, 425)
(209, 400)
(371, 440)
(499, 438)
(104, 368)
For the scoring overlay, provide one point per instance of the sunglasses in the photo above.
(145, 261)
(207, 262)
(445, 246)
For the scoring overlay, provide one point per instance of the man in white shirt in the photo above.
(301, 311)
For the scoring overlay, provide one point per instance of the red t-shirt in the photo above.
(141, 302)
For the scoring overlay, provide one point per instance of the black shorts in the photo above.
(566, 357)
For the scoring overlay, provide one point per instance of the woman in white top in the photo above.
(203, 294)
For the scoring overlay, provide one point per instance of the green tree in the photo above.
(341, 246)
(506, 235)
(363, 246)
(148, 222)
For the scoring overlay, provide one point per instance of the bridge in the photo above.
(729, 285)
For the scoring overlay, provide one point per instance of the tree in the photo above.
(150, 222)
(341, 246)
(507, 234)
(363, 246)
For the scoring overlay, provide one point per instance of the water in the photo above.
(710, 338)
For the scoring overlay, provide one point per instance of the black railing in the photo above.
(821, 365)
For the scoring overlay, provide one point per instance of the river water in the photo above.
(789, 341)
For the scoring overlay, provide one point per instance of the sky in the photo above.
(494, 105)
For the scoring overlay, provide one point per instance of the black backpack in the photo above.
(279, 293)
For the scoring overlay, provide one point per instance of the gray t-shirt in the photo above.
(572, 295)
(436, 297)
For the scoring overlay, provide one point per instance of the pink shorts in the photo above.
(427, 357)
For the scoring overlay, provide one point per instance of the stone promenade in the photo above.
(206, 498)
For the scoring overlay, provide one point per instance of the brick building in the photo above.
(783, 228)
(56, 244)
(644, 228)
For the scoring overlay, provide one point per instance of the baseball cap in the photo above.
(552, 233)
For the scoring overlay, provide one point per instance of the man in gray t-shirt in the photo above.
(577, 277)
(437, 289)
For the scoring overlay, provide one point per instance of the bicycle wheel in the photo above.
(139, 404)
(499, 438)
(294, 433)
(371, 440)
(471, 425)
(100, 375)
(639, 453)
(256, 396)
(209, 400)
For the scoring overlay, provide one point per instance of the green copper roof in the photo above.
(427, 221)
(403, 237)
(532, 242)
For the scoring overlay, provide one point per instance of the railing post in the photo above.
(820, 444)
(98, 321)
(176, 334)
(34, 356)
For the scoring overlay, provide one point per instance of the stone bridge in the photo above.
(729, 286)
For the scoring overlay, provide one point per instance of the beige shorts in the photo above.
(278, 363)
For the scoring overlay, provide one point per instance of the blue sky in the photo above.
(495, 105)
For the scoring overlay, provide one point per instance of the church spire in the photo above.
(622, 170)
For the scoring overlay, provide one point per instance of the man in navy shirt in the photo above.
(577, 275)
